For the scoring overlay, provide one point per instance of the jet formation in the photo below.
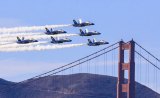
(78, 23)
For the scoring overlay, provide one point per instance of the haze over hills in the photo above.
(69, 86)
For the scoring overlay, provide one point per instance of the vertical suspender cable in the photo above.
(106, 64)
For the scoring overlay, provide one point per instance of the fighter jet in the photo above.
(25, 41)
(53, 32)
(81, 24)
(57, 41)
(96, 43)
(88, 33)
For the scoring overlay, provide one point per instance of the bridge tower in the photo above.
(126, 89)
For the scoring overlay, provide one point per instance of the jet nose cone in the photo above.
(107, 43)
(92, 24)
(99, 33)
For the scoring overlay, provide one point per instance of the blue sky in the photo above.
(115, 19)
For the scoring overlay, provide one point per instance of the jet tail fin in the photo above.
(81, 31)
(18, 38)
(75, 22)
(22, 38)
(86, 30)
(89, 41)
(51, 29)
(94, 40)
(47, 29)
(79, 20)
(53, 39)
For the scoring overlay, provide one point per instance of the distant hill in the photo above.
(69, 86)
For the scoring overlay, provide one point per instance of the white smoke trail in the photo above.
(6, 43)
(32, 28)
(19, 34)
(37, 37)
(40, 47)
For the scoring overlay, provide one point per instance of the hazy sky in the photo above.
(115, 19)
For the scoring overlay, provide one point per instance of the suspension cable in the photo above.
(33, 79)
(74, 61)
(83, 61)
(147, 60)
(147, 52)
(77, 65)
